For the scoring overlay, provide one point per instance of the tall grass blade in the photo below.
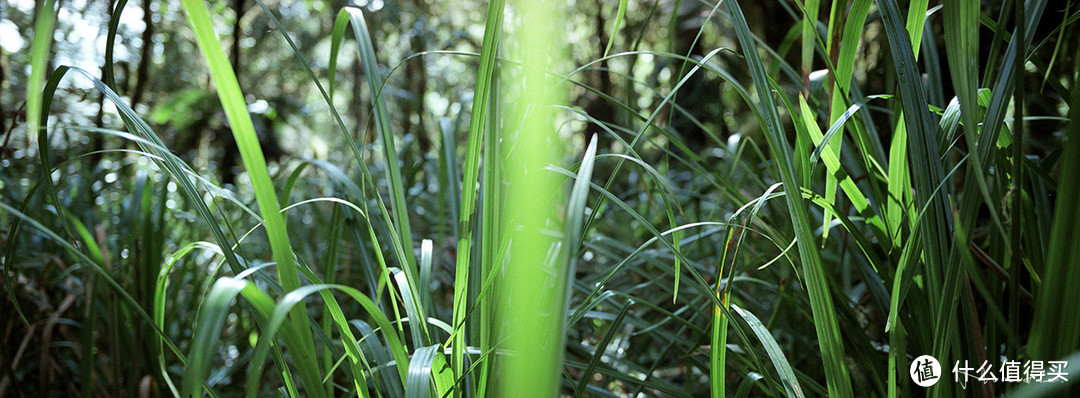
(232, 100)
(344, 16)
(842, 96)
(533, 290)
(926, 168)
(809, 36)
(39, 58)
(817, 285)
(477, 119)
(492, 248)
(1055, 330)
(984, 149)
(382, 123)
(449, 176)
(158, 307)
(576, 206)
(718, 347)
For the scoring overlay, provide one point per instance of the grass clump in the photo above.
(636, 199)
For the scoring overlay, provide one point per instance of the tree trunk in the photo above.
(142, 72)
(231, 152)
(416, 74)
(599, 108)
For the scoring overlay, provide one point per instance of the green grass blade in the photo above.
(424, 284)
(809, 39)
(916, 20)
(601, 347)
(379, 354)
(1003, 87)
(108, 72)
(402, 249)
(926, 168)
(533, 289)
(961, 42)
(1056, 329)
(849, 45)
(831, 158)
(449, 176)
(382, 123)
(420, 365)
(303, 350)
(492, 250)
(272, 328)
(619, 16)
(35, 114)
(902, 280)
(576, 214)
(158, 308)
(841, 93)
(718, 347)
(578, 199)
(779, 360)
(294, 298)
(39, 59)
(416, 313)
(809, 36)
(477, 119)
(208, 330)
(90, 245)
(403, 253)
(899, 206)
(825, 318)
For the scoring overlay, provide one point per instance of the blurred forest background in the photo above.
(706, 159)
(157, 72)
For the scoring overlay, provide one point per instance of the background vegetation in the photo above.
(604, 198)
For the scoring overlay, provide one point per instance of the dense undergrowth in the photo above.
(886, 182)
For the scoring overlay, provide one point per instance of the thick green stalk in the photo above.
(532, 295)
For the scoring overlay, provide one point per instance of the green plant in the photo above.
(594, 233)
